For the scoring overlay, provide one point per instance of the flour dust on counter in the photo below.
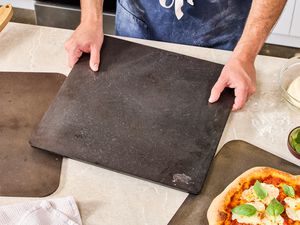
(268, 117)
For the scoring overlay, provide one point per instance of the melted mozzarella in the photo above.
(260, 207)
(253, 220)
(271, 220)
(293, 208)
(250, 196)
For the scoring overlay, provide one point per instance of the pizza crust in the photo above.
(216, 213)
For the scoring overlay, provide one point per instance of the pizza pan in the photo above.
(233, 159)
(26, 171)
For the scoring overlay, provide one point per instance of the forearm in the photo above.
(91, 12)
(262, 17)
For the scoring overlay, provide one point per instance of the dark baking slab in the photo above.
(233, 159)
(24, 98)
(146, 113)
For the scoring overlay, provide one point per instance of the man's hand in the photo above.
(87, 38)
(239, 72)
(239, 75)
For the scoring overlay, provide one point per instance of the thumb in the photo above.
(217, 90)
(95, 58)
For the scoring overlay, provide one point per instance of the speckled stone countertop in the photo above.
(110, 198)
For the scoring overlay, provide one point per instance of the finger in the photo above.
(217, 90)
(95, 58)
(252, 90)
(67, 45)
(74, 55)
(241, 95)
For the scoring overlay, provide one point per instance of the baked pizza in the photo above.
(260, 196)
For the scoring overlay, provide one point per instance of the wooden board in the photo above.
(26, 171)
(233, 159)
(6, 13)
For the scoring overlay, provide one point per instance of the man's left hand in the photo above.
(237, 74)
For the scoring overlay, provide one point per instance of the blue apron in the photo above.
(207, 23)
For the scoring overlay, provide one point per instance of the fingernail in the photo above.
(95, 67)
(211, 100)
(234, 108)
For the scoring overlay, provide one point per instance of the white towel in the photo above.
(60, 211)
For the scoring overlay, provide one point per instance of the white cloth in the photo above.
(177, 6)
(60, 211)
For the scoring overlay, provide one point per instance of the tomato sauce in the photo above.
(273, 180)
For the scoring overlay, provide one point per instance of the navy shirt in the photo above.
(207, 23)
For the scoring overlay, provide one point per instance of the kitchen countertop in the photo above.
(110, 198)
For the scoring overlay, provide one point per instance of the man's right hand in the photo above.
(87, 38)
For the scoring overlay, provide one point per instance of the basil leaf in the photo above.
(259, 190)
(293, 143)
(297, 139)
(275, 208)
(244, 210)
(297, 148)
(288, 190)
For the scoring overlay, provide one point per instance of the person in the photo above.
(238, 25)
